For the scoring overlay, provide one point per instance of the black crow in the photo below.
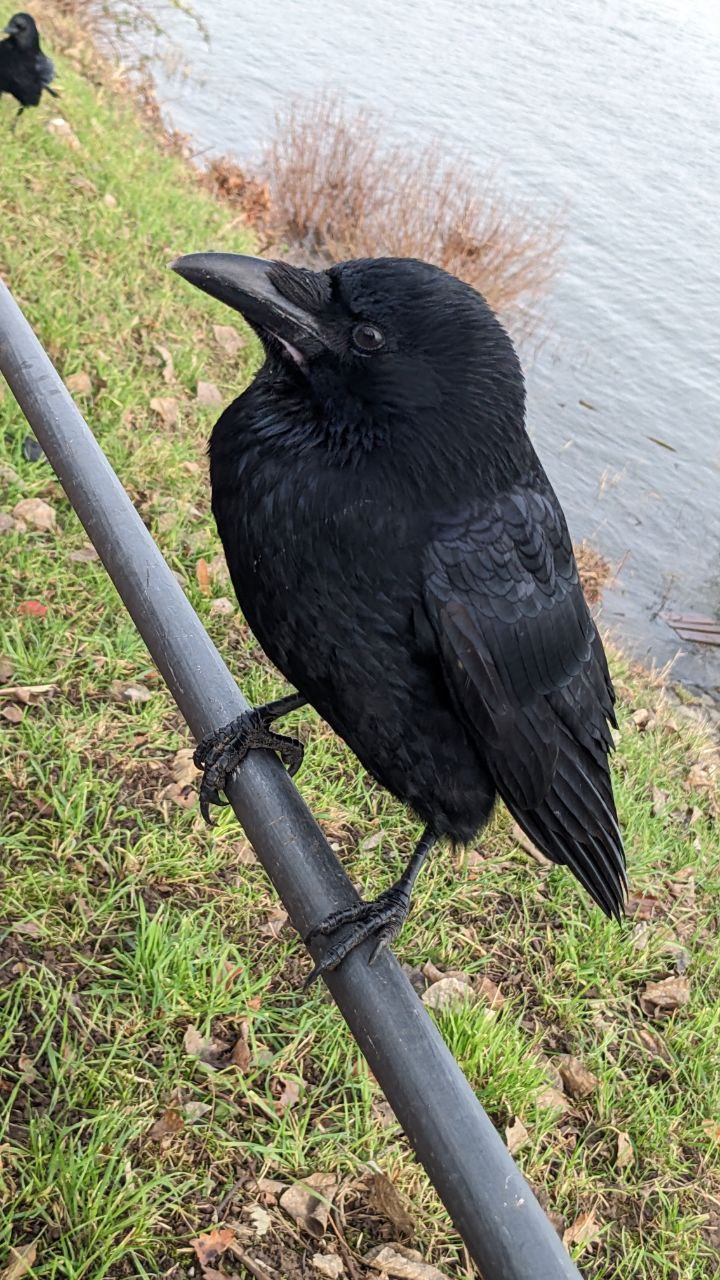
(24, 69)
(399, 552)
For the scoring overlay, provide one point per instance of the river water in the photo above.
(608, 110)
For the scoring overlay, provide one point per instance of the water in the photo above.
(606, 109)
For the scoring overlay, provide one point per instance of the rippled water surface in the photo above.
(610, 111)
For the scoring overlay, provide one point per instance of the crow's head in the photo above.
(376, 345)
(23, 30)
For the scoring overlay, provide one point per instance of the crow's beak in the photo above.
(245, 284)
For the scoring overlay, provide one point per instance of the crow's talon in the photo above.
(219, 754)
(382, 919)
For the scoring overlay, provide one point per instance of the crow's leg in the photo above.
(381, 919)
(16, 117)
(219, 754)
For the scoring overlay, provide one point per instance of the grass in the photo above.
(125, 922)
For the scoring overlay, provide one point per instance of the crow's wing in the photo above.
(527, 672)
(45, 70)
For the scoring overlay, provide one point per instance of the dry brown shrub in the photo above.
(229, 182)
(339, 190)
(594, 570)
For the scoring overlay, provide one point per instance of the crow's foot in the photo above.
(381, 919)
(219, 754)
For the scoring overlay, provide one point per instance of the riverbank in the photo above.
(162, 1077)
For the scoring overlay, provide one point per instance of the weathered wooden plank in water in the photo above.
(694, 627)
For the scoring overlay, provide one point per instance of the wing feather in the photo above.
(527, 671)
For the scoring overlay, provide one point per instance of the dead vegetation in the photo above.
(340, 190)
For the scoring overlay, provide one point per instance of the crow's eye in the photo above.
(367, 338)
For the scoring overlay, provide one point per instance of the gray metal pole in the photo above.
(492, 1206)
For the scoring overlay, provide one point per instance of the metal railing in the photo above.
(505, 1230)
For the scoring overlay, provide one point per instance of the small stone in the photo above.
(35, 512)
(222, 606)
(79, 384)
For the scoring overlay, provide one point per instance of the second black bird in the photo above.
(398, 551)
(25, 71)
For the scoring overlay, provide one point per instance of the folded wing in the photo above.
(527, 672)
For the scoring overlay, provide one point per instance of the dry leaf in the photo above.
(653, 1044)
(240, 1055)
(383, 1113)
(385, 1198)
(182, 768)
(7, 524)
(202, 573)
(21, 1261)
(166, 407)
(260, 1219)
(641, 720)
(29, 693)
(11, 713)
(32, 609)
(516, 1136)
(196, 1110)
(8, 474)
(210, 1051)
(243, 853)
(584, 1229)
(274, 922)
(79, 384)
(28, 928)
(222, 606)
(84, 554)
(712, 1129)
(446, 992)
(193, 1042)
(109, 200)
(642, 906)
(289, 1096)
(27, 1069)
(35, 512)
(218, 570)
(168, 366)
(577, 1080)
(328, 1264)
(270, 1188)
(182, 794)
(404, 1264)
(209, 1246)
(228, 339)
(61, 129)
(659, 801)
(490, 992)
(126, 691)
(308, 1203)
(666, 995)
(552, 1099)
(6, 670)
(208, 394)
(624, 1155)
(170, 1122)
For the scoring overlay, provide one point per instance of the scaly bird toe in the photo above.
(381, 919)
(220, 753)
